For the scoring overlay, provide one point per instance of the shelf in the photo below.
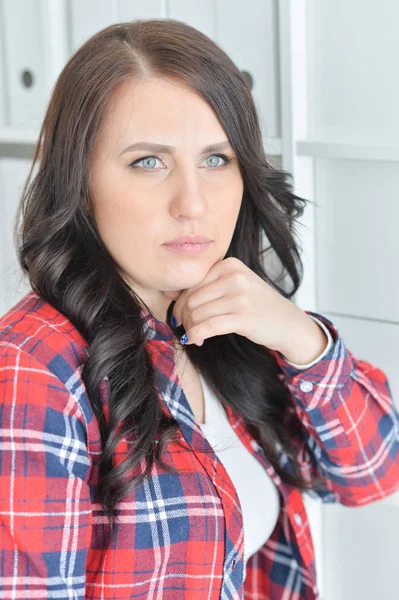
(18, 137)
(347, 151)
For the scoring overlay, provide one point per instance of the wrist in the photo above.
(307, 343)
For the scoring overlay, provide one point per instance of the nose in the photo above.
(188, 199)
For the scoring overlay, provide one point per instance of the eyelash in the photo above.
(227, 160)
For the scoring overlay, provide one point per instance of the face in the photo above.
(145, 197)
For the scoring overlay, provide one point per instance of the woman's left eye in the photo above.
(152, 159)
(223, 156)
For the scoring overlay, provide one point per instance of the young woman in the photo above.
(145, 458)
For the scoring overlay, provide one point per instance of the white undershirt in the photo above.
(258, 495)
(257, 492)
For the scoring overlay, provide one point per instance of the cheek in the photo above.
(123, 225)
(120, 206)
(228, 204)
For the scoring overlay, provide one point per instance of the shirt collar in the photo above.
(156, 329)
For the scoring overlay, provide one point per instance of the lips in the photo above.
(187, 239)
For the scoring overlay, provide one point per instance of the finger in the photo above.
(222, 306)
(232, 288)
(219, 325)
(200, 298)
(218, 297)
(224, 266)
(181, 302)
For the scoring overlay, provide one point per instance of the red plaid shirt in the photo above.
(178, 536)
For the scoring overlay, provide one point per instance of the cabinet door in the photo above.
(357, 241)
(34, 51)
(353, 92)
(25, 63)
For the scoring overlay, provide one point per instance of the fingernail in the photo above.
(184, 339)
(174, 322)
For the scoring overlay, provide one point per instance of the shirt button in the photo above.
(254, 445)
(298, 519)
(233, 563)
(306, 386)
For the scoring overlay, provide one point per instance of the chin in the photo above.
(185, 276)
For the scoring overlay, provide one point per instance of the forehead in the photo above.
(159, 110)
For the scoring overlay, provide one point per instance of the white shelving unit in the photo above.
(347, 151)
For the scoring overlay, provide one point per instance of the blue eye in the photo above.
(152, 158)
(223, 156)
(145, 158)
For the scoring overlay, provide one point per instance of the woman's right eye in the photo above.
(150, 162)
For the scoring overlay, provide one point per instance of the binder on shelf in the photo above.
(31, 67)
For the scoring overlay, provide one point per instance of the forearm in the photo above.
(351, 423)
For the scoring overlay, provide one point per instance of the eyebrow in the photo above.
(170, 149)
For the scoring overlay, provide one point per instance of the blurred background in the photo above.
(324, 77)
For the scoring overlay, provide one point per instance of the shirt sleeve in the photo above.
(45, 506)
(344, 424)
(323, 354)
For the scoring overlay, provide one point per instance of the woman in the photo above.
(137, 465)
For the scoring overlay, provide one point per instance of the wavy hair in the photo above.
(59, 247)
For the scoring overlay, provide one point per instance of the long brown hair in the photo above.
(60, 248)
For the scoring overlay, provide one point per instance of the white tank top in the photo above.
(258, 495)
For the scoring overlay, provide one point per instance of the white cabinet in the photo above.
(25, 71)
(352, 137)
(353, 91)
(34, 49)
(357, 243)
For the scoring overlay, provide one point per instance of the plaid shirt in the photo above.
(178, 535)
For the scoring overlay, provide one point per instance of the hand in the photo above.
(233, 299)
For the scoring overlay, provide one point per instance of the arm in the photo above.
(344, 424)
(45, 508)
